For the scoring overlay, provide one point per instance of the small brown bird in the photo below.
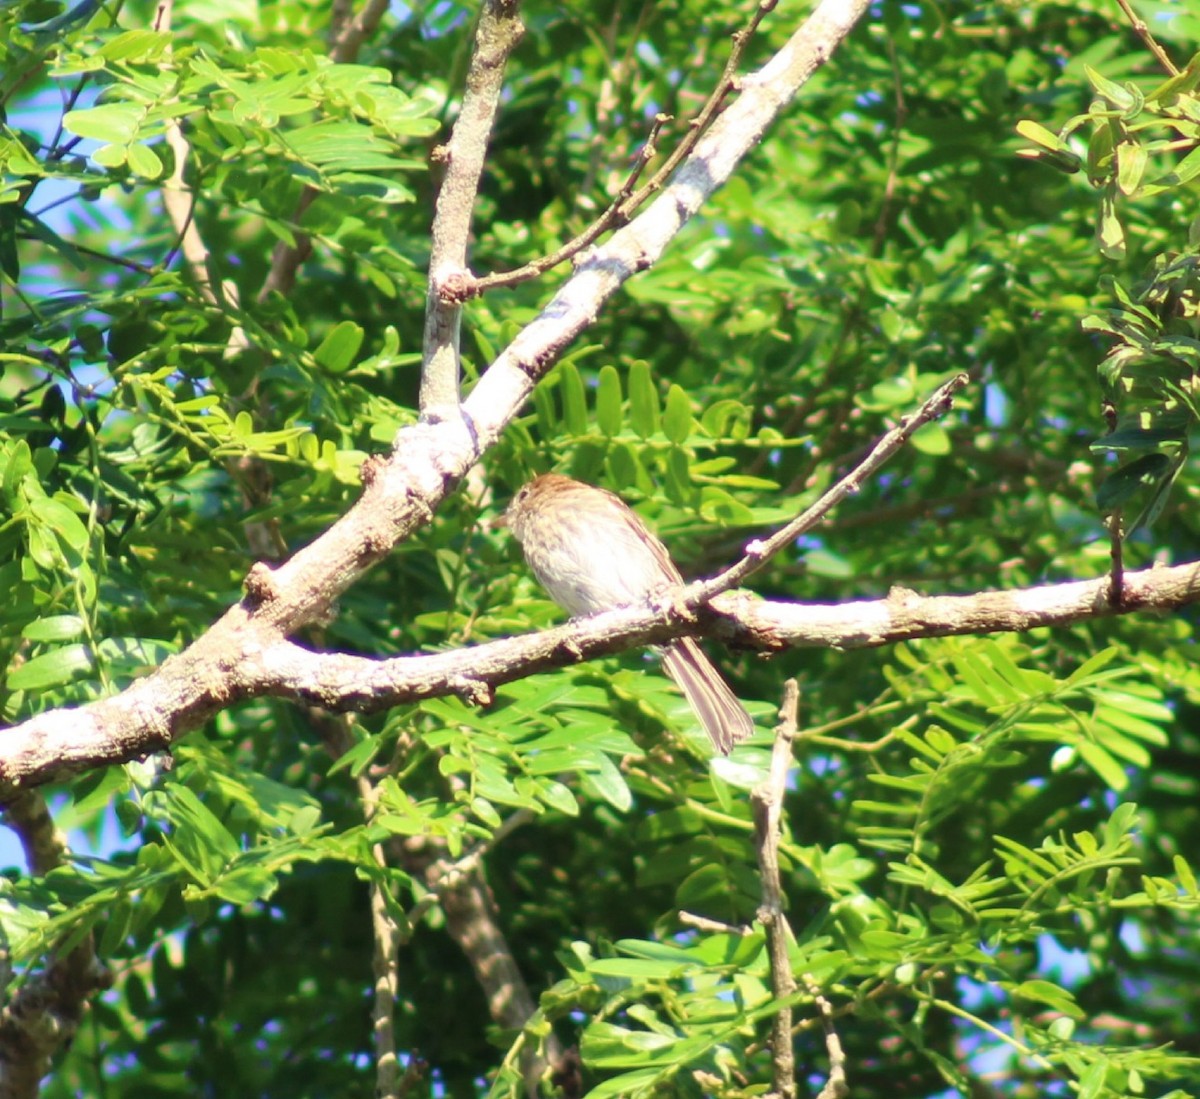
(592, 553)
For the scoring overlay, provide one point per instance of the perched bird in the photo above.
(592, 553)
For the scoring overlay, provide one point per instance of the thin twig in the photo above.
(759, 552)
(500, 29)
(179, 201)
(1116, 591)
(714, 927)
(893, 176)
(626, 203)
(766, 803)
(711, 109)
(1143, 32)
(616, 214)
(107, 257)
(836, 1087)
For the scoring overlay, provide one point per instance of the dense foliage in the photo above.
(986, 841)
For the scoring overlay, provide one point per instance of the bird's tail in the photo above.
(724, 718)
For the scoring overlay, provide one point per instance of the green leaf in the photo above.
(244, 885)
(574, 400)
(51, 669)
(62, 520)
(932, 439)
(144, 161)
(113, 122)
(1131, 166)
(1036, 132)
(1120, 97)
(557, 796)
(20, 463)
(679, 477)
(1109, 770)
(111, 156)
(1055, 997)
(543, 407)
(338, 350)
(55, 627)
(1185, 171)
(1187, 879)
(643, 400)
(204, 845)
(608, 401)
(638, 969)
(622, 466)
(677, 419)
(607, 782)
(10, 256)
(1120, 486)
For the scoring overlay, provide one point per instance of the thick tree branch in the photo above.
(189, 688)
(428, 460)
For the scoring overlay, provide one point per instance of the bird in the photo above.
(592, 553)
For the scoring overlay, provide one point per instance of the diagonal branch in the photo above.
(402, 492)
(758, 553)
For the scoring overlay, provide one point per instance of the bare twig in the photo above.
(497, 35)
(758, 553)
(893, 160)
(179, 201)
(836, 1086)
(766, 803)
(1143, 32)
(1117, 555)
(616, 214)
(627, 201)
(703, 923)
(699, 125)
